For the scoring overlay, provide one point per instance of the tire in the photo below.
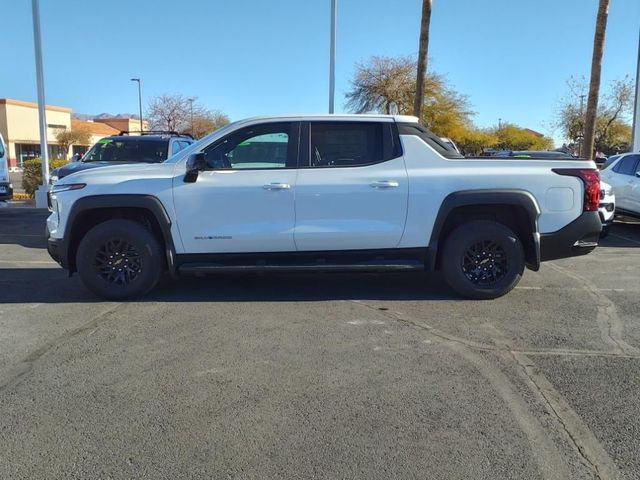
(477, 243)
(132, 273)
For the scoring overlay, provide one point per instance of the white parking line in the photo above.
(28, 262)
(633, 240)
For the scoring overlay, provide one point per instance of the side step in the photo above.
(386, 266)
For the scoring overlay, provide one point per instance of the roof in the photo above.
(95, 128)
(338, 116)
(21, 103)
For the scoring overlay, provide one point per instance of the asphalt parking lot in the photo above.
(320, 376)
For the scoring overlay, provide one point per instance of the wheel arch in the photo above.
(517, 209)
(88, 212)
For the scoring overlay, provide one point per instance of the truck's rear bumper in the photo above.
(578, 238)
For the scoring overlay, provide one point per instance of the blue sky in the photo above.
(252, 57)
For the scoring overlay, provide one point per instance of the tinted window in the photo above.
(430, 138)
(627, 166)
(351, 144)
(610, 161)
(176, 147)
(127, 150)
(260, 146)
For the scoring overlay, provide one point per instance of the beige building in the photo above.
(20, 128)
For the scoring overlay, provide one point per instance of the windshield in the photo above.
(127, 150)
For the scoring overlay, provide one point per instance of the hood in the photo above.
(114, 173)
(74, 167)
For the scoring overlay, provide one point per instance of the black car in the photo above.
(150, 147)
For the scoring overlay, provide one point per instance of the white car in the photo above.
(607, 207)
(622, 172)
(323, 193)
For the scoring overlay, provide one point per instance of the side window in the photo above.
(350, 144)
(1, 149)
(263, 146)
(176, 146)
(627, 166)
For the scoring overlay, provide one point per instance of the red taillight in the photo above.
(591, 179)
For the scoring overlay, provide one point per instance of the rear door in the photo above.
(352, 186)
(623, 179)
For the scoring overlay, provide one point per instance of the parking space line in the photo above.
(633, 240)
(28, 262)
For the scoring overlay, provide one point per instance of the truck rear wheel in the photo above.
(119, 259)
(482, 259)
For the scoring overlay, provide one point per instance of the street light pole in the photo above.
(191, 109)
(636, 110)
(332, 56)
(41, 194)
(139, 101)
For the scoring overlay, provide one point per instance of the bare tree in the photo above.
(174, 112)
(594, 83)
(422, 57)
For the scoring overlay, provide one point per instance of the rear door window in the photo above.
(351, 144)
(627, 166)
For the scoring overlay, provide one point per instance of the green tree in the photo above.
(612, 132)
(207, 122)
(66, 138)
(512, 137)
(388, 85)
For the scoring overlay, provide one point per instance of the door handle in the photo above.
(276, 186)
(385, 184)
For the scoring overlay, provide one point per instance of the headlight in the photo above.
(53, 179)
(57, 188)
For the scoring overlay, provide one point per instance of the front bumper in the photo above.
(57, 249)
(578, 238)
(6, 191)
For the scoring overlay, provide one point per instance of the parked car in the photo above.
(623, 174)
(607, 207)
(150, 147)
(323, 193)
(6, 188)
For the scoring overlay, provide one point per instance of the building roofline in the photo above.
(22, 103)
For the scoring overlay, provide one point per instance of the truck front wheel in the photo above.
(119, 259)
(482, 259)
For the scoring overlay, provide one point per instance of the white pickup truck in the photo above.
(323, 193)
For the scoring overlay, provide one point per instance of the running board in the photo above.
(203, 268)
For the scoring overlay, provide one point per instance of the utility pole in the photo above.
(636, 109)
(139, 101)
(41, 193)
(332, 56)
(190, 100)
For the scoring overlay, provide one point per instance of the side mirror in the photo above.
(638, 174)
(196, 163)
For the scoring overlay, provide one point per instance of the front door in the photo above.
(244, 201)
(352, 187)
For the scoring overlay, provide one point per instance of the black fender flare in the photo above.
(142, 201)
(463, 198)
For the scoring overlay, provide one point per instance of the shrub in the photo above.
(32, 173)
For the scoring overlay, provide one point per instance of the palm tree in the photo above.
(594, 83)
(422, 57)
